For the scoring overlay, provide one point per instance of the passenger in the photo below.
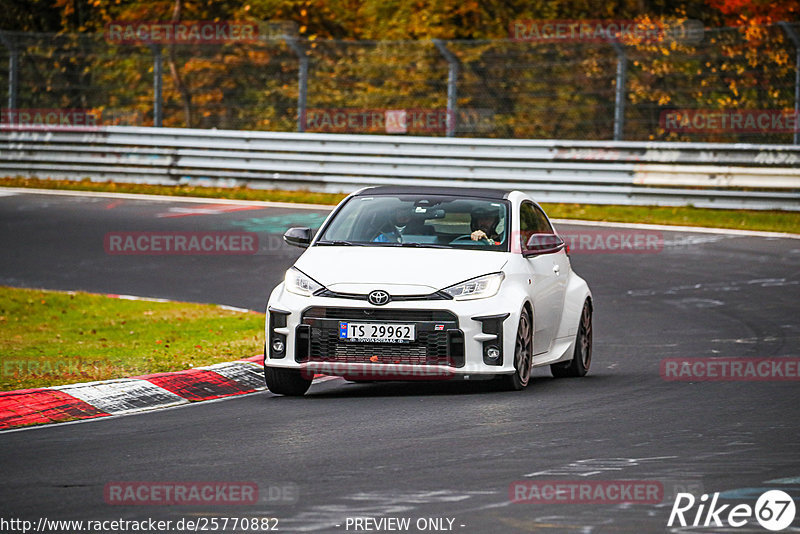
(394, 234)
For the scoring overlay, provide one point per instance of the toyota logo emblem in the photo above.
(378, 298)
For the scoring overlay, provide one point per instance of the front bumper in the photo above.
(453, 338)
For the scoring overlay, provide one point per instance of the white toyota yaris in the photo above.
(426, 283)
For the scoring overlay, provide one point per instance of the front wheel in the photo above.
(582, 356)
(523, 354)
(286, 381)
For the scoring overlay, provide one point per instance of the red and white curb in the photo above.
(130, 395)
(122, 396)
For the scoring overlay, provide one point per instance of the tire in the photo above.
(582, 355)
(523, 354)
(286, 381)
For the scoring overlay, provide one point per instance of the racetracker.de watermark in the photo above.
(50, 118)
(180, 493)
(355, 120)
(729, 121)
(182, 32)
(380, 368)
(730, 369)
(198, 493)
(397, 121)
(180, 243)
(586, 491)
(590, 241)
(603, 31)
(613, 241)
(29, 367)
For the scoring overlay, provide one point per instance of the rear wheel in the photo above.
(523, 354)
(286, 381)
(582, 356)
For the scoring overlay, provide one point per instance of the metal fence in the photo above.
(598, 172)
(497, 88)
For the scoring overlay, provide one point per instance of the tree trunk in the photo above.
(186, 96)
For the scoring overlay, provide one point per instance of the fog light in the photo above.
(277, 345)
(492, 353)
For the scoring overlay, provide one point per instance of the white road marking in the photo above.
(669, 228)
(603, 224)
(162, 198)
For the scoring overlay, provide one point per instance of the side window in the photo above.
(532, 221)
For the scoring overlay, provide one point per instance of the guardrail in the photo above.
(595, 172)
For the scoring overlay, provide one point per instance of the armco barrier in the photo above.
(596, 172)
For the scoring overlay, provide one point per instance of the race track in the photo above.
(436, 450)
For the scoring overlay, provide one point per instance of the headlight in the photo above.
(477, 288)
(297, 282)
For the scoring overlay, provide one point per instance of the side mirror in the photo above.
(543, 244)
(299, 236)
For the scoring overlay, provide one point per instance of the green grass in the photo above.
(774, 221)
(50, 338)
(236, 193)
(769, 221)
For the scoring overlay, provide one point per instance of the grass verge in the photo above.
(766, 221)
(236, 193)
(772, 221)
(50, 338)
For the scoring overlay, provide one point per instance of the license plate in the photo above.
(377, 332)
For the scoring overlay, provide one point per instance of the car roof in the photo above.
(476, 192)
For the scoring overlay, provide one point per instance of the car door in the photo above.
(548, 267)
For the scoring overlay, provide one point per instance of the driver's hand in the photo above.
(477, 235)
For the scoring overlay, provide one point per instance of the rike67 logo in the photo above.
(774, 510)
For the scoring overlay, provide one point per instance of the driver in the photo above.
(400, 219)
(484, 224)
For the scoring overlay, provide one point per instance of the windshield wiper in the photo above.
(424, 245)
(417, 245)
(338, 243)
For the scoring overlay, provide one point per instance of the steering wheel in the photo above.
(467, 238)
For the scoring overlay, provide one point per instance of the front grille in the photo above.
(437, 295)
(429, 349)
(380, 314)
(432, 346)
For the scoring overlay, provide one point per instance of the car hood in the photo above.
(400, 271)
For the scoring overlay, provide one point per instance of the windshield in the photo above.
(420, 221)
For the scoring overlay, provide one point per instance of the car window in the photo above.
(412, 220)
(532, 221)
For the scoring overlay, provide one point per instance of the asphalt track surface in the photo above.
(440, 450)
